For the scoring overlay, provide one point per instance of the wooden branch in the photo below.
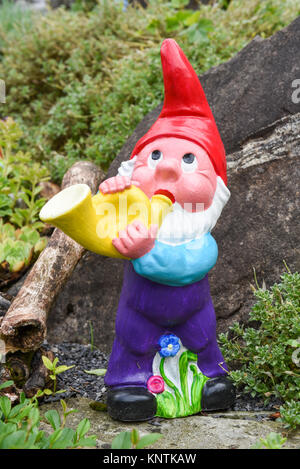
(24, 325)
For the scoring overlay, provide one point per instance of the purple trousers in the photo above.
(146, 311)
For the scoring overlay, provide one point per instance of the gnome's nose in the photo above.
(167, 170)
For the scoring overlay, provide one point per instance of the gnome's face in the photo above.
(179, 169)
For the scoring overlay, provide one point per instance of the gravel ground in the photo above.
(244, 402)
(75, 380)
(78, 383)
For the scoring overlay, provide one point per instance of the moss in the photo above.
(99, 406)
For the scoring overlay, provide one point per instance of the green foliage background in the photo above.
(20, 204)
(264, 357)
(80, 81)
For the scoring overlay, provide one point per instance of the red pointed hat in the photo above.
(185, 113)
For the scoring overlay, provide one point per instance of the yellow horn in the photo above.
(94, 222)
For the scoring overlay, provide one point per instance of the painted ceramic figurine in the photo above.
(165, 359)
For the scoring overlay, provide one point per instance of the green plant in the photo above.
(20, 426)
(79, 83)
(65, 437)
(20, 203)
(290, 414)
(55, 370)
(18, 249)
(6, 384)
(84, 5)
(91, 335)
(132, 440)
(264, 355)
(272, 441)
(20, 179)
(97, 372)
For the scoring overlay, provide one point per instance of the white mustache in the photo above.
(181, 226)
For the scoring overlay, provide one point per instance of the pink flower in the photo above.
(156, 384)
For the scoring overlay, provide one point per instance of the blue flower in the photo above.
(169, 344)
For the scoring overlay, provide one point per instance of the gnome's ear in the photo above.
(184, 94)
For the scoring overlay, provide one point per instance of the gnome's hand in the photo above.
(116, 184)
(136, 240)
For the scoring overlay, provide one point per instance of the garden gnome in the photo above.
(165, 359)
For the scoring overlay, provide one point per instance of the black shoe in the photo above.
(217, 394)
(131, 404)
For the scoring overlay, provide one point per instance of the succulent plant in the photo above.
(18, 250)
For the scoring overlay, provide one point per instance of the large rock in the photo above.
(87, 306)
(251, 97)
(259, 228)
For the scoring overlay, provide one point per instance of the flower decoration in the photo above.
(169, 344)
(156, 384)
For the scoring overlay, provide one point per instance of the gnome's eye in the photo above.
(188, 158)
(156, 154)
(189, 163)
(154, 158)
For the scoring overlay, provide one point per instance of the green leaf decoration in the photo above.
(196, 390)
(183, 369)
(166, 405)
(184, 401)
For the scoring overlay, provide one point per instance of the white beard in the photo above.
(181, 226)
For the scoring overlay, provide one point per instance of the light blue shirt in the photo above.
(178, 265)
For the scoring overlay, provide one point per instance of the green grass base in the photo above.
(184, 402)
